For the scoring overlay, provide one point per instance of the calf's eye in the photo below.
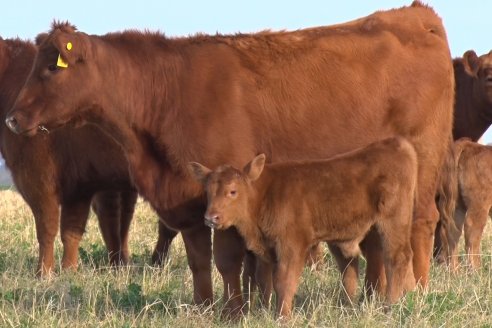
(52, 68)
(232, 193)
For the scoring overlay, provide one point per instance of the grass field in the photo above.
(143, 296)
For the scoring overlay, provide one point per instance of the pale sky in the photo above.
(467, 22)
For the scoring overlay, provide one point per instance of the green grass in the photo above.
(143, 296)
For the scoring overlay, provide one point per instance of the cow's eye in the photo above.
(233, 193)
(52, 67)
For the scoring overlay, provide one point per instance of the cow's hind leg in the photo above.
(229, 252)
(397, 250)
(128, 201)
(197, 243)
(74, 217)
(108, 207)
(165, 238)
(423, 228)
(475, 220)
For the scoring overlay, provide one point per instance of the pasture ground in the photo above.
(144, 296)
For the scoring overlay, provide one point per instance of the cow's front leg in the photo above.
(198, 249)
(229, 252)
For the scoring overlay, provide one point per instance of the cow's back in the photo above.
(318, 92)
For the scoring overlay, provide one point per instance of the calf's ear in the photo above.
(198, 171)
(471, 62)
(73, 46)
(254, 168)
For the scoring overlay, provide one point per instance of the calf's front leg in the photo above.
(287, 272)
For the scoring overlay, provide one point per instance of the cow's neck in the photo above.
(136, 111)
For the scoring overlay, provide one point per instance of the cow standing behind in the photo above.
(283, 209)
(60, 173)
(299, 95)
(469, 177)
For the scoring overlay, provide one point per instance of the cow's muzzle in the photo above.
(212, 220)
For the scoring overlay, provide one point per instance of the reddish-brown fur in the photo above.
(469, 205)
(473, 116)
(283, 209)
(304, 94)
(473, 105)
(66, 167)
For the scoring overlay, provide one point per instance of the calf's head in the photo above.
(229, 191)
(61, 85)
(480, 68)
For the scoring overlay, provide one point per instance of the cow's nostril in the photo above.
(12, 124)
(212, 218)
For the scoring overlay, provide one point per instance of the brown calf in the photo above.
(60, 173)
(283, 209)
(469, 204)
(300, 95)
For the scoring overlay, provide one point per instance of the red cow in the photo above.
(304, 94)
(68, 167)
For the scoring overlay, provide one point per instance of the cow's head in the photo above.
(228, 191)
(480, 68)
(61, 84)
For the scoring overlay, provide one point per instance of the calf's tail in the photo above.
(448, 193)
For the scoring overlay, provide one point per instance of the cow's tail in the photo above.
(448, 193)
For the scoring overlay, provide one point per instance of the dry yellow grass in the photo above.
(144, 296)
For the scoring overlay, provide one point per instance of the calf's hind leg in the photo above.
(375, 280)
(349, 269)
(475, 220)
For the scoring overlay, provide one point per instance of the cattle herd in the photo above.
(277, 140)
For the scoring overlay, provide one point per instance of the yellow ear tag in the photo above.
(61, 62)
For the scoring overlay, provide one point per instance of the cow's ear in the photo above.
(73, 47)
(471, 62)
(254, 168)
(198, 171)
(40, 38)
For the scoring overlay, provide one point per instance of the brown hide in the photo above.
(303, 94)
(473, 106)
(469, 206)
(472, 117)
(288, 207)
(66, 167)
